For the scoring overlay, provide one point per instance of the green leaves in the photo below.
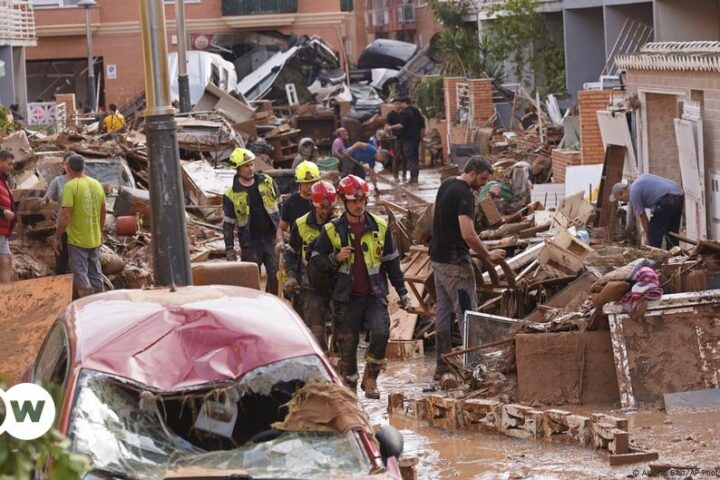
(430, 98)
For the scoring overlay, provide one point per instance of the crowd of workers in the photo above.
(335, 263)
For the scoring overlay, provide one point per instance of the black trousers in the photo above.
(372, 314)
(666, 218)
(62, 260)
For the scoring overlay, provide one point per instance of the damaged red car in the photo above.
(203, 382)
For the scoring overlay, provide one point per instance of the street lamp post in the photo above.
(86, 4)
(171, 253)
(183, 81)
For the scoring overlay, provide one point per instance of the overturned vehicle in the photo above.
(197, 383)
(310, 65)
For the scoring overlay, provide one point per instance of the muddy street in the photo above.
(689, 440)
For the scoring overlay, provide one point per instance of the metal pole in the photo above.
(91, 64)
(183, 81)
(171, 254)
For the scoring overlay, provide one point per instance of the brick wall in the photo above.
(704, 86)
(481, 94)
(449, 88)
(562, 159)
(483, 108)
(589, 102)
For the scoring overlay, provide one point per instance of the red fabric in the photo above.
(7, 203)
(361, 283)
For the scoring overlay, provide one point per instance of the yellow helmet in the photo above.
(307, 172)
(241, 156)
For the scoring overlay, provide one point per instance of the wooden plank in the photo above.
(402, 325)
(635, 456)
(33, 305)
(404, 349)
(490, 211)
(612, 173)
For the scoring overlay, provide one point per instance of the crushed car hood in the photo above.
(179, 340)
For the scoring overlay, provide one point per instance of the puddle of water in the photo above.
(691, 439)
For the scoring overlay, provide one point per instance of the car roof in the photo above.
(186, 338)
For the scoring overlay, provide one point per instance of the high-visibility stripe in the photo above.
(229, 220)
(390, 257)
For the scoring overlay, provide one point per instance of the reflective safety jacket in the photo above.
(303, 233)
(236, 208)
(379, 252)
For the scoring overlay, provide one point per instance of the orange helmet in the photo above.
(323, 194)
(353, 188)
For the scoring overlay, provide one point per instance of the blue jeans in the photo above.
(85, 267)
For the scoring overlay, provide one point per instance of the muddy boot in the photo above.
(351, 382)
(369, 381)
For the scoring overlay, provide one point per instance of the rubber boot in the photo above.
(369, 381)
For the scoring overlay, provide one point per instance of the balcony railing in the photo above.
(258, 7)
(17, 23)
(406, 14)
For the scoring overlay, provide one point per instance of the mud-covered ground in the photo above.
(691, 440)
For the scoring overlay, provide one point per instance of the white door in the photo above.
(689, 140)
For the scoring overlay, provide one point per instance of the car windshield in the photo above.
(131, 432)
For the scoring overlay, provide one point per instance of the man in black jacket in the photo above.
(358, 246)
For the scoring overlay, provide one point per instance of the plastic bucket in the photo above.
(126, 225)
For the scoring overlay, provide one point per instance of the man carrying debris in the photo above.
(55, 193)
(114, 121)
(307, 152)
(7, 215)
(251, 204)
(663, 196)
(314, 306)
(453, 235)
(83, 218)
(359, 249)
(413, 130)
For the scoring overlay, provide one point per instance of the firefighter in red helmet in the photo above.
(358, 248)
(314, 306)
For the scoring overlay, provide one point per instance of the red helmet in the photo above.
(323, 194)
(353, 188)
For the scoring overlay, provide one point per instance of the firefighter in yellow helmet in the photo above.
(299, 203)
(251, 209)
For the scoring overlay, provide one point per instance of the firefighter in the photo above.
(314, 306)
(251, 205)
(359, 250)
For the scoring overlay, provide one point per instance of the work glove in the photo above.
(404, 301)
(280, 248)
(231, 256)
(292, 286)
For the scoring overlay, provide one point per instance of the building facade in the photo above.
(229, 27)
(17, 31)
(405, 20)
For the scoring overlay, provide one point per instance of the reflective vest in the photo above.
(373, 244)
(308, 233)
(242, 207)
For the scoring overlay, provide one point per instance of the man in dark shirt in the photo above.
(251, 206)
(413, 128)
(393, 123)
(299, 203)
(453, 235)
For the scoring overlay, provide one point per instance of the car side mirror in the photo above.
(391, 442)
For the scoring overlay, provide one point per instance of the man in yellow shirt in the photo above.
(83, 218)
(114, 121)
